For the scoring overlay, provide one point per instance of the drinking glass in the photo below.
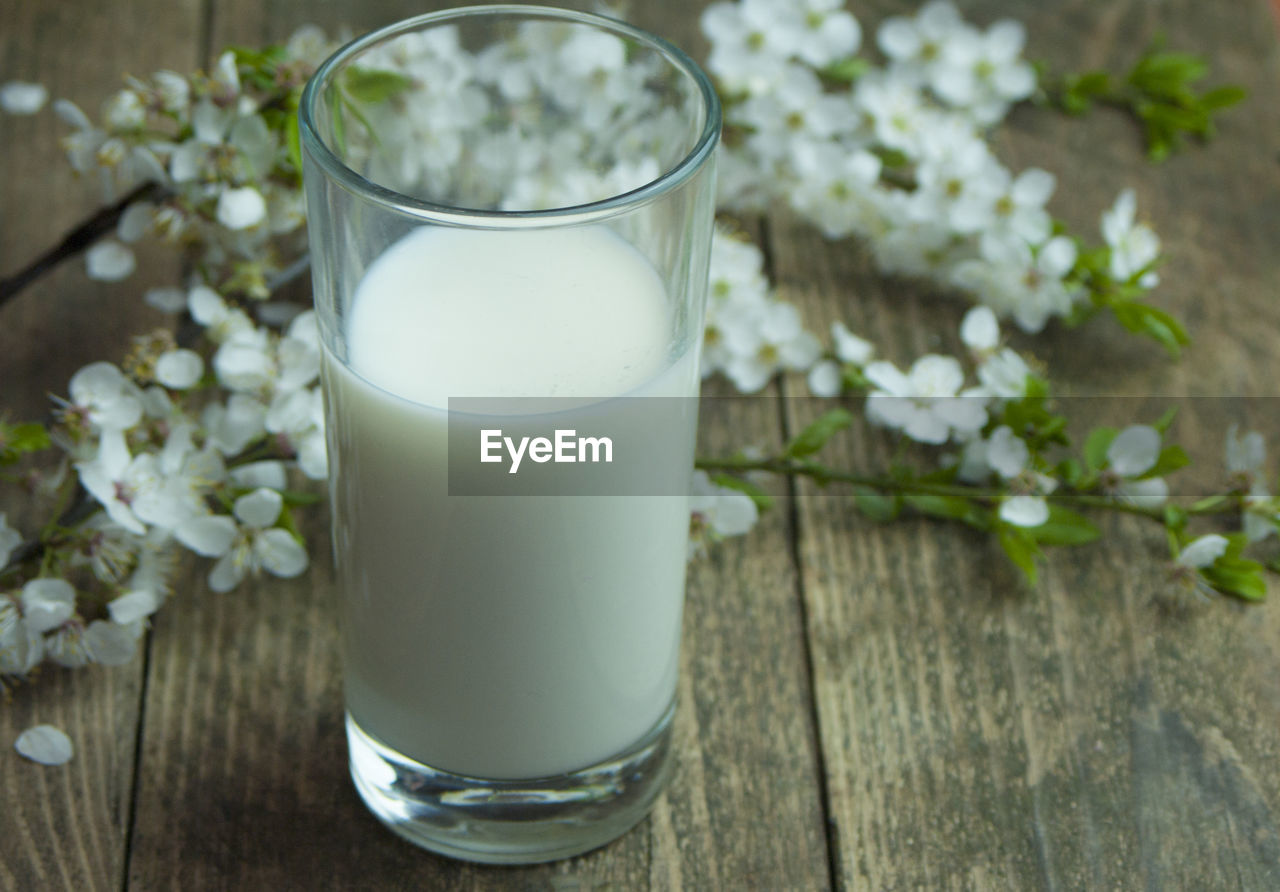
(510, 204)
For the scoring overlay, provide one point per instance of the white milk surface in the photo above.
(502, 636)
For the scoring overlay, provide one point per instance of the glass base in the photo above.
(511, 821)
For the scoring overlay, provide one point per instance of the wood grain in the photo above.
(1086, 734)
(67, 828)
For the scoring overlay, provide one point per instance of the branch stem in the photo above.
(88, 231)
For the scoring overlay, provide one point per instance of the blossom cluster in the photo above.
(209, 160)
(897, 155)
(171, 466)
(551, 115)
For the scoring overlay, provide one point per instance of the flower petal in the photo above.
(259, 474)
(259, 508)
(824, 379)
(22, 98)
(47, 603)
(209, 536)
(110, 643)
(1203, 551)
(109, 261)
(1024, 511)
(179, 369)
(850, 347)
(280, 553)
(241, 208)
(1134, 450)
(979, 330)
(45, 744)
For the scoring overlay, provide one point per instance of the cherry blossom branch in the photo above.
(823, 474)
(78, 239)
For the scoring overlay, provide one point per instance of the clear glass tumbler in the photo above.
(515, 203)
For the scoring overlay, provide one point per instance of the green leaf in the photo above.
(1064, 527)
(1241, 578)
(1208, 502)
(1096, 446)
(373, 85)
(1069, 471)
(877, 506)
(1092, 83)
(891, 157)
(1145, 319)
(288, 524)
(294, 142)
(20, 439)
(1223, 97)
(1175, 518)
(299, 497)
(1165, 421)
(1168, 74)
(846, 70)
(816, 435)
(949, 508)
(763, 500)
(1021, 548)
(1171, 459)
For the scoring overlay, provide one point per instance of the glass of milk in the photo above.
(510, 212)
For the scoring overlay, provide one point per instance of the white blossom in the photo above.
(837, 189)
(919, 46)
(717, 512)
(1245, 456)
(763, 341)
(256, 544)
(984, 72)
(819, 32)
(748, 52)
(926, 403)
(1027, 284)
(108, 399)
(1134, 246)
(1133, 453)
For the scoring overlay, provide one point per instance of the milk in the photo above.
(503, 636)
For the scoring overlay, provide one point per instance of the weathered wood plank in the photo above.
(67, 827)
(245, 781)
(978, 735)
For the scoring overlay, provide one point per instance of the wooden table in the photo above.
(861, 706)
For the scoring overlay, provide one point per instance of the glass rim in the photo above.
(434, 212)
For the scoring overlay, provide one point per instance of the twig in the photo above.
(915, 487)
(77, 240)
